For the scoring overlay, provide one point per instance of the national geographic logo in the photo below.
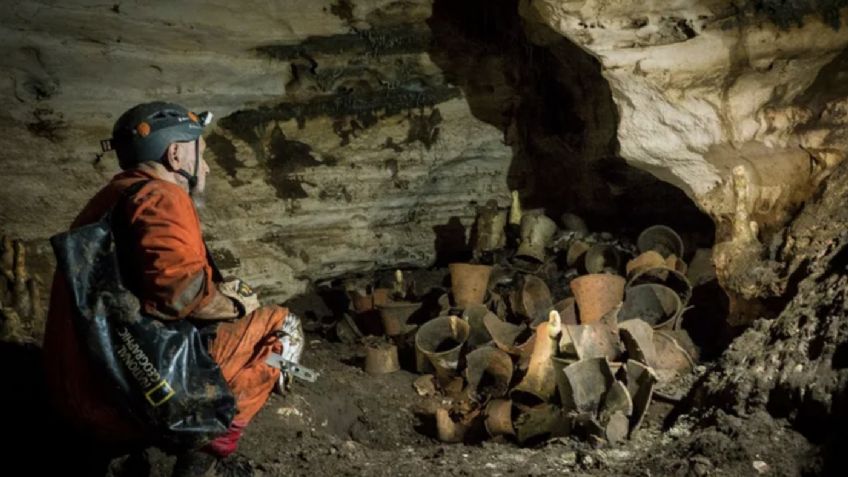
(244, 289)
(156, 390)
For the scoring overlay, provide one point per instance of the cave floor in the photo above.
(352, 423)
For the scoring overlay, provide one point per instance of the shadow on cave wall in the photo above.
(557, 113)
(829, 85)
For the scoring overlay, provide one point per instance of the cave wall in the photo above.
(795, 366)
(355, 135)
(557, 113)
(702, 87)
(339, 146)
(740, 104)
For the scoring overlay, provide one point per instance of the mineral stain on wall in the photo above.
(360, 106)
(343, 9)
(401, 39)
(286, 158)
(424, 128)
(786, 13)
(225, 156)
(332, 79)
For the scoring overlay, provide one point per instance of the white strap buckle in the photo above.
(294, 369)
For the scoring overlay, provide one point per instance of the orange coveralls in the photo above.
(175, 278)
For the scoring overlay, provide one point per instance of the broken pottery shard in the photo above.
(474, 316)
(453, 388)
(656, 304)
(610, 318)
(566, 346)
(676, 263)
(540, 423)
(534, 300)
(498, 305)
(684, 341)
(559, 364)
(499, 418)
(638, 338)
(588, 382)
(590, 426)
(601, 257)
(500, 276)
(489, 371)
(490, 228)
(347, 331)
(576, 251)
(514, 339)
(595, 340)
(525, 350)
(670, 355)
(649, 259)
(616, 428)
(640, 386)
(449, 431)
(667, 277)
(425, 385)
(616, 400)
(567, 309)
(539, 384)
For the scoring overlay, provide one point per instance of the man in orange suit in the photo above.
(167, 267)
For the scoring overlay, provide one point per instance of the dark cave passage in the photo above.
(557, 113)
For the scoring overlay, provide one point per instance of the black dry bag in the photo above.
(161, 372)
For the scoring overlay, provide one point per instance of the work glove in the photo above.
(241, 293)
(293, 341)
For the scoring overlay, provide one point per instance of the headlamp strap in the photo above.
(193, 181)
(192, 178)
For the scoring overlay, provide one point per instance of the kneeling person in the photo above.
(167, 266)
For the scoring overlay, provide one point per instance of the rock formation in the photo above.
(341, 147)
(356, 135)
(729, 101)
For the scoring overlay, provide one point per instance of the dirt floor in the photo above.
(351, 423)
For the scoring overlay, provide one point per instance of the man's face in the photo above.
(186, 152)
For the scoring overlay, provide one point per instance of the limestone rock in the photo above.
(703, 87)
(340, 146)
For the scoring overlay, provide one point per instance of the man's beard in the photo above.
(199, 199)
